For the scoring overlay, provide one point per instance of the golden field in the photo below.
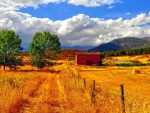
(61, 88)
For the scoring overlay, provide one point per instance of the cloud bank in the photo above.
(78, 30)
(92, 3)
(35, 3)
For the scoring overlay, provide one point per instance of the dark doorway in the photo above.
(88, 62)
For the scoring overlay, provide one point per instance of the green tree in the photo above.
(43, 48)
(10, 46)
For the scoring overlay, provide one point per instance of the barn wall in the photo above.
(81, 59)
(90, 59)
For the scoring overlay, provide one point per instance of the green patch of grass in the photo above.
(132, 64)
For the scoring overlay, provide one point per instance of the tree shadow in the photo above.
(39, 70)
(60, 63)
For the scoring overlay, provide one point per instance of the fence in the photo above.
(93, 93)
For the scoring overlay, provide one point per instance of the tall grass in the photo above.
(108, 97)
(14, 89)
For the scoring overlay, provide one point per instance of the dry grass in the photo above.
(128, 59)
(24, 90)
(108, 82)
(58, 89)
(14, 89)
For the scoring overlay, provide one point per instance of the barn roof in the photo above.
(87, 53)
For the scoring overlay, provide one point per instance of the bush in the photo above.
(132, 64)
(105, 64)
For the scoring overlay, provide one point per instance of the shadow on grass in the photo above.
(60, 63)
(39, 70)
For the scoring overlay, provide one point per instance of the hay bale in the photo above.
(135, 71)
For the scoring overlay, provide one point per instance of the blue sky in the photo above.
(64, 10)
(77, 22)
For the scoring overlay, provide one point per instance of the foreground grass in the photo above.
(63, 91)
(108, 79)
(15, 88)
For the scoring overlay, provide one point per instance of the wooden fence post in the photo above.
(84, 83)
(122, 98)
(78, 77)
(93, 93)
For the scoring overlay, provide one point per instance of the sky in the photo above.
(77, 22)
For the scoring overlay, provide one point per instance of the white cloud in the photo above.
(91, 3)
(110, 7)
(128, 13)
(16, 4)
(78, 30)
(138, 20)
(25, 3)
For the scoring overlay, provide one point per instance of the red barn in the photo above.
(87, 58)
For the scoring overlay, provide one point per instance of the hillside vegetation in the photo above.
(123, 43)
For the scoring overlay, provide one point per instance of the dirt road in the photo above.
(47, 96)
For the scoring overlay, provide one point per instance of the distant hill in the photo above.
(77, 47)
(68, 54)
(25, 48)
(123, 43)
(64, 54)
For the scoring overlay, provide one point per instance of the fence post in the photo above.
(93, 93)
(122, 98)
(78, 77)
(84, 83)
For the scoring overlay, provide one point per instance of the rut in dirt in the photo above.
(47, 97)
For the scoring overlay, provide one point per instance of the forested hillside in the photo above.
(129, 52)
(123, 43)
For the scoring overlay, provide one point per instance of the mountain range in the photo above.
(77, 47)
(116, 44)
(25, 47)
(123, 43)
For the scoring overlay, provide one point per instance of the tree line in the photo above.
(43, 48)
(128, 52)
